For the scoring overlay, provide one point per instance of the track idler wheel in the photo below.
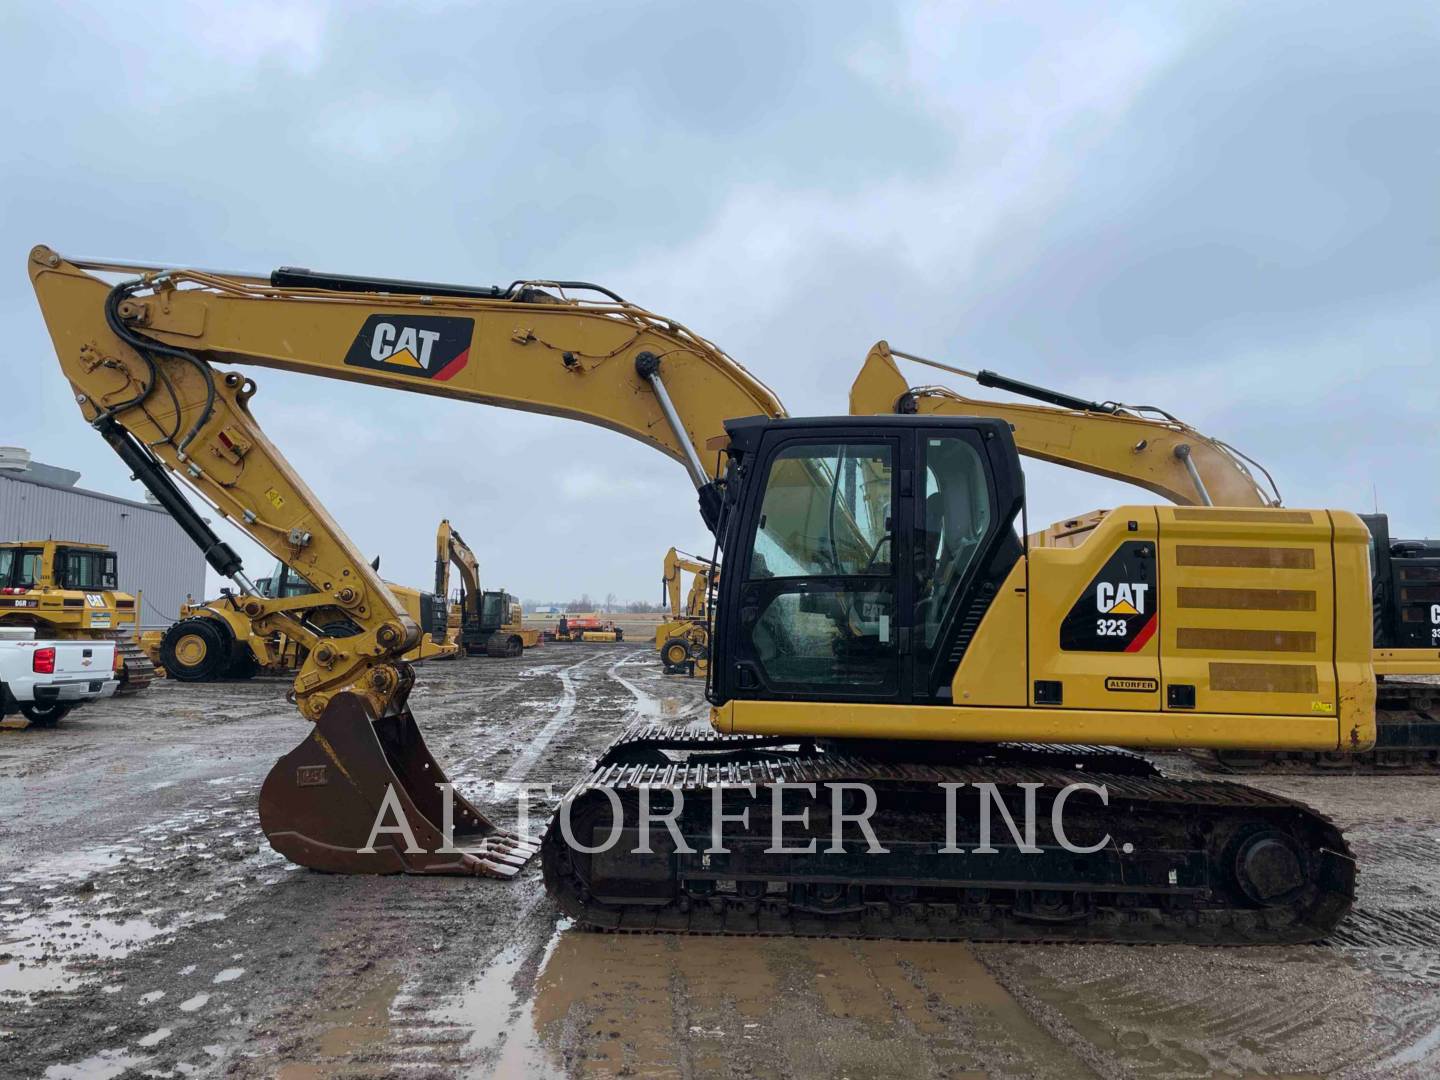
(322, 802)
(1269, 869)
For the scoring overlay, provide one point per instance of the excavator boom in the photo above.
(676, 563)
(451, 549)
(144, 358)
(1138, 445)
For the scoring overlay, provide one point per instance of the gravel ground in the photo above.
(147, 929)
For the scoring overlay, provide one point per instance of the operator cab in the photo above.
(283, 583)
(865, 551)
(80, 567)
(494, 609)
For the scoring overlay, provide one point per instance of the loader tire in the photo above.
(339, 628)
(243, 664)
(674, 655)
(196, 650)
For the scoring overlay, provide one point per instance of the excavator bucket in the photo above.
(353, 796)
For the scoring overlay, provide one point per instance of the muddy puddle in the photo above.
(655, 1006)
(61, 945)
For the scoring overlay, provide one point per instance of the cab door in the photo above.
(824, 590)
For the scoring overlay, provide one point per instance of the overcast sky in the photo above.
(1229, 211)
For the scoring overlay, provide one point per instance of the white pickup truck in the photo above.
(45, 679)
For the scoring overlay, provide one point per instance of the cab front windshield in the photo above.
(19, 567)
(819, 588)
(492, 608)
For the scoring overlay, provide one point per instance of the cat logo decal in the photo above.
(425, 346)
(1117, 612)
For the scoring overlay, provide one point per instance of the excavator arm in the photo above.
(677, 563)
(696, 602)
(1136, 444)
(451, 549)
(145, 359)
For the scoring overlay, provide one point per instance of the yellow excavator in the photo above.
(683, 640)
(1152, 449)
(490, 621)
(69, 591)
(887, 647)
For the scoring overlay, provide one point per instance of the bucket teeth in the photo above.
(512, 843)
(489, 868)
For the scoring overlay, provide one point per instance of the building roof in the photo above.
(52, 477)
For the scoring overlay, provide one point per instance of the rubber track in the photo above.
(1141, 920)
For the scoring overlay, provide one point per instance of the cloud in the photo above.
(1226, 210)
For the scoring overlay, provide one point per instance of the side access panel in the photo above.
(995, 668)
(1249, 597)
(1094, 618)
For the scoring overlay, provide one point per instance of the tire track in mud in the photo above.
(539, 742)
(340, 970)
(675, 698)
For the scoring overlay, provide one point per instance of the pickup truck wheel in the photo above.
(47, 714)
(196, 650)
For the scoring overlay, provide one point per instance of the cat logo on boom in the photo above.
(423, 346)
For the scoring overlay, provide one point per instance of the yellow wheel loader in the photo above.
(1150, 448)
(68, 591)
(895, 664)
(683, 640)
(217, 640)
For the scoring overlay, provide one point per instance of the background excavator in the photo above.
(67, 590)
(489, 621)
(683, 640)
(1152, 449)
(882, 634)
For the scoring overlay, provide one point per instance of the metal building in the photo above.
(41, 502)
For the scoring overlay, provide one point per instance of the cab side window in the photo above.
(28, 572)
(957, 513)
